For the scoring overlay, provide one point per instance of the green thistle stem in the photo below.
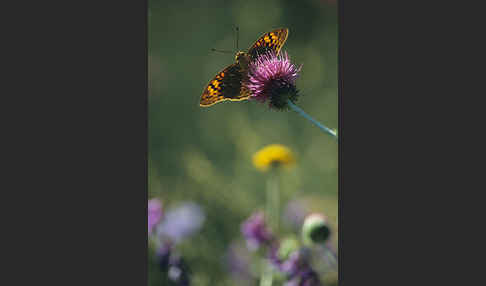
(306, 116)
(332, 254)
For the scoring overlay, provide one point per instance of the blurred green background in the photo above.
(204, 154)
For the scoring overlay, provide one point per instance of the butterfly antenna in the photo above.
(221, 51)
(237, 36)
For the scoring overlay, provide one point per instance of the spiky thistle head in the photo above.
(272, 77)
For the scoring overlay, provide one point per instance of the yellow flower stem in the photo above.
(306, 116)
(273, 200)
(272, 220)
(267, 273)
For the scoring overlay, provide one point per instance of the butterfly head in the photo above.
(242, 58)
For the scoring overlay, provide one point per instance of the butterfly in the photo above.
(227, 84)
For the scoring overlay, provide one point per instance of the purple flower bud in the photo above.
(255, 231)
(315, 229)
(154, 213)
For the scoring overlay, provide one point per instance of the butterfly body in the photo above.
(228, 84)
(243, 59)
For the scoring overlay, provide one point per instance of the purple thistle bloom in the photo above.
(154, 213)
(297, 268)
(272, 77)
(181, 222)
(255, 231)
(238, 260)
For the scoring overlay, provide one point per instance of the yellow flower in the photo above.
(273, 155)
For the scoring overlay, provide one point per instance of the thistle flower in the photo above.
(273, 155)
(154, 213)
(255, 231)
(272, 78)
(181, 222)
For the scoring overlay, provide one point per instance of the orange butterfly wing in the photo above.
(226, 85)
(271, 41)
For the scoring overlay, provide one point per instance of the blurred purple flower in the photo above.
(272, 77)
(172, 264)
(162, 256)
(255, 231)
(154, 213)
(295, 213)
(291, 265)
(293, 282)
(237, 260)
(297, 268)
(179, 272)
(307, 277)
(181, 222)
